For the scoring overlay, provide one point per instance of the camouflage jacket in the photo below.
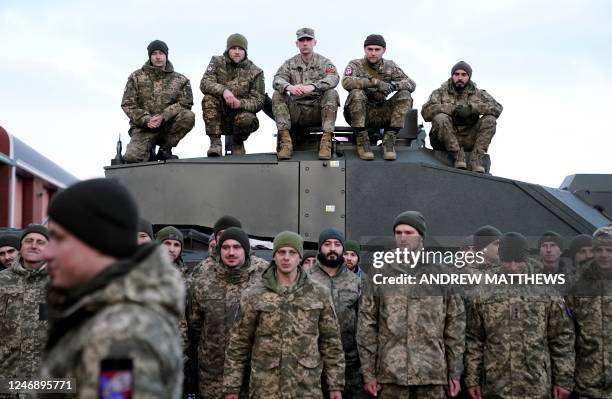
(345, 289)
(128, 311)
(320, 72)
(244, 79)
(23, 320)
(360, 74)
(214, 306)
(293, 338)
(591, 304)
(519, 342)
(446, 98)
(410, 334)
(150, 90)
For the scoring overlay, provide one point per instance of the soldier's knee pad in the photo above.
(330, 98)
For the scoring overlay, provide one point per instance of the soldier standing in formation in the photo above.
(23, 325)
(145, 232)
(288, 328)
(304, 95)
(172, 240)
(369, 81)
(233, 90)
(9, 248)
(580, 250)
(463, 118)
(114, 304)
(158, 102)
(352, 255)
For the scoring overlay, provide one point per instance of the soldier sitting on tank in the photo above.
(463, 118)
(233, 90)
(158, 102)
(369, 81)
(304, 95)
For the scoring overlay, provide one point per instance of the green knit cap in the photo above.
(169, 233)
(237, 40)
(414, 219)
(288, 239)
(352, 245)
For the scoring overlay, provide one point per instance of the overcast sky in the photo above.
(65, 63)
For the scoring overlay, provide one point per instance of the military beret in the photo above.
(412, 218)
(288, 239)
(375, 40)
(157, 45)
(35, 228)
(485, 235)
(464, 66)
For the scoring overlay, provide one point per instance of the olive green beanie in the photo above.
(288, 239)
(237, 40)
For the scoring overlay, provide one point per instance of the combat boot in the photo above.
(476, 162)
(285, 148)
(164, 153)
(363, 146)
(215, 146)
(325, 146)
(388, 146)
(237, 146)
(459, 157)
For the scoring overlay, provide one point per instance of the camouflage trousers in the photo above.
(220, 119)
(311, 112)
(447, 137)
(393, 391)
(168, 134)
(361, 112)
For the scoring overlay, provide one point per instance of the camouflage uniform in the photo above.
(23, 321)
(410, 338)
(449, 133)
(214, 305)
(150, 91)
(345, 288)
(246, 81)
(319, 108)
(591, 304)
(292, 336)
(129, 311)
(366, 106)
(518, 343)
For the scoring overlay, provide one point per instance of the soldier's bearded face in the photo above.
(158, 58)
(407, 237)
(460, 78)
(351, 259)
(32, 247)
(603, 257)
(332, 249)
(550, 252)
(143, 238)
(232, 253)
(7, 255)
(287, 260)
(306, 45)
(308, 263)
(174, 248)
(236, 54)
(374, 53)
(583, 254)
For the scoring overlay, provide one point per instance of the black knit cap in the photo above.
(375, 40)
(310, 253)
(551, 236)
(462, 65)
(101, 213)
(485, 235)
(513, 247)
(235, 233)
(329, 234)
(157, 45)
(35, 228)
(579, 242)
(10, 240)
(412, 218)
(225, 222)
(145, 226)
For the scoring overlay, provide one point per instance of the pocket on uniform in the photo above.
(269, 319)
(308, 314)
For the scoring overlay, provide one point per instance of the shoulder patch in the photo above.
(348, 71)
(330, 69)
(210, 68)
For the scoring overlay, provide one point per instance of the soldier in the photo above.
(172, 239)
(114, 305)
(233, 90)
(463, 118)
(410, 339)
(304, 95)
(351, 256)
(591, 304)
(23, 325)
(310, 257)
(158, 102)
(580, 250)
(331, 271)
(145, 231)
(9, 248)
(288, 328)
(486, 240)
(214, 306)
(519, 343)
(369, 81)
